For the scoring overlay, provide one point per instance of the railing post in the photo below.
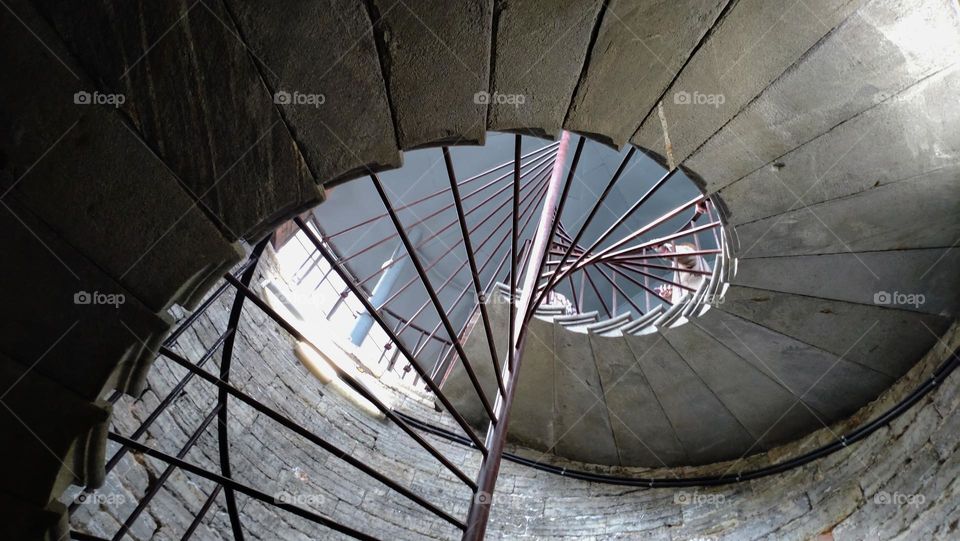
(496, 437)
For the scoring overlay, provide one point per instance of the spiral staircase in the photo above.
(824, 132)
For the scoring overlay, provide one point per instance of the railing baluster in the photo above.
(396, 339)
(350, 380)
(411, 252)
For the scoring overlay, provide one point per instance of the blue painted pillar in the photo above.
(382, 291)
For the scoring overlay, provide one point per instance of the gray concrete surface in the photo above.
(917, 134)
(704, 426)
(343, 67)
(52, 443)
(192, 92)
(641, 429)
(613, 96)
(874, 220)
(88, 348)
(761, 404)
(119, 204)
(436, 60)
(749, 48)
(877, 337)
(864, 277)
(537, 395)
(873, 55)
(540, 59)
(832, 387)
(582, 425)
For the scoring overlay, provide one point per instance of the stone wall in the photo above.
(899, 483)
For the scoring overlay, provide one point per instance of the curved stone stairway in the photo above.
(834, 153)
(734, 378)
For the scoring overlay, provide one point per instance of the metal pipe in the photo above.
(496, 438)
(229, 483)
(300, 430)
(223, 436)
(411, 252)
(583, 228)
(198, 518)
(349, 380)
(393, 337)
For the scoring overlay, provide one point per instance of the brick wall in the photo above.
(900, 482)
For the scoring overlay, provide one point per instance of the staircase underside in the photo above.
(835, 155)
(761, 369)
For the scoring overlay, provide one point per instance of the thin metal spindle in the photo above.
(229, 483)
(443, 191)
(286, 422)
(583, 228)
(517, 141)
(350, 380)
(538, 184)
(534, 170)
(502, 239)
(396, 339)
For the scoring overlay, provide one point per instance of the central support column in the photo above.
(497, 432)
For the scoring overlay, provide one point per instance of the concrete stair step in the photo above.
(831, 386)
(73, 324)
(750, 46)
(611, 325)
(581, 422)
(707, 431)
(430, 42)
(768, 410)
(54, 442)
(866, 166)
(635, 31)
(537, 391)
(341, 65)
(640, 427)
(863, 277)
(242, 162)
(530, 64)
(867, 58)
(877, 338)
(120, 206)
(883, 222)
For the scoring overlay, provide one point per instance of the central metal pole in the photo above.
(497, 432)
